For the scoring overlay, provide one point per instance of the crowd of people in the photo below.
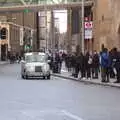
(13, 57)
(90, 65)
(84, 65)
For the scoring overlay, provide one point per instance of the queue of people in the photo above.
(13, 57)
(90, 65)
(56, 62)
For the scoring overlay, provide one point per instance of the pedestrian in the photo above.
(68, 62)
(105, 63)
(73, 64)
(112, 74)
(116, 64)
(78, 64)
(88, 59)
(83, 67)
(95, 65)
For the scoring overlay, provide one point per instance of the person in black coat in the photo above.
(83, 66)
(88, 64)
(68, 62)
(112, 74)
(73, 63)
(116, 64)
(79, 65)
(77, 61)
(95, 65)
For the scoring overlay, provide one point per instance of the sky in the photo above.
(62, 20)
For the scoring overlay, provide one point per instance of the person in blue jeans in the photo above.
(105, 63)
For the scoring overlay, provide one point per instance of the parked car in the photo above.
(35, 64)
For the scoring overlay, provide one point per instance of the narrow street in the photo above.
(55, 99)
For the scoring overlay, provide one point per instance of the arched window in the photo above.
(3, 33)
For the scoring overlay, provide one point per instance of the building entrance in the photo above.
(3, 52)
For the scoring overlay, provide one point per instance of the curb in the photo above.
(88, 82)
(5, 63)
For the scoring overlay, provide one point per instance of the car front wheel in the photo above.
(44, 77)
(22, 76)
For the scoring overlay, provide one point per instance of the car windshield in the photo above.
(35, 58)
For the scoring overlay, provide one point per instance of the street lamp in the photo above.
(83, 46)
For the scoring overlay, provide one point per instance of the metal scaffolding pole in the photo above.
(83, 46)
(52, 31)
(38, 30)
(46, 31)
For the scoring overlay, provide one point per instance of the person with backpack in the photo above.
(105, 63)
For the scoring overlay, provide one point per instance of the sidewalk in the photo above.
(4, 62)
(67, 75)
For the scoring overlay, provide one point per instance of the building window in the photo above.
(3, 33)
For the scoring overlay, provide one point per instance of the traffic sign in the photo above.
(88, 25)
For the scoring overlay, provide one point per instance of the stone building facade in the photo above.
(13, 40)
(13, 22)
(106, 28)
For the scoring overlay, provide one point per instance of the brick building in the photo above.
(106, 24)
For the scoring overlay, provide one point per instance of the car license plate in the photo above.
(38, 69)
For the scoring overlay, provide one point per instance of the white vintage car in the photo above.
(35, 64)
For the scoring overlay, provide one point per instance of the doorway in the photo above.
(3, 52)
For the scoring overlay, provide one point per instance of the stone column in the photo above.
(52, 32)
(69, 38)
(80, 28)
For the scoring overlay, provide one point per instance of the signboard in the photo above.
(88, 29)
(89, 25)
(21, 36)
(88, 34)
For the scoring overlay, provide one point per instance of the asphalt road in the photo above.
(55, 99)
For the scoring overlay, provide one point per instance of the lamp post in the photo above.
(83, 46)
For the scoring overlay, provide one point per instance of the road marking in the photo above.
(75, 117)
(34, 114)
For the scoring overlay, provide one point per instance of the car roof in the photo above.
(32, 53)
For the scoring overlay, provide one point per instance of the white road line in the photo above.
(75, 117)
